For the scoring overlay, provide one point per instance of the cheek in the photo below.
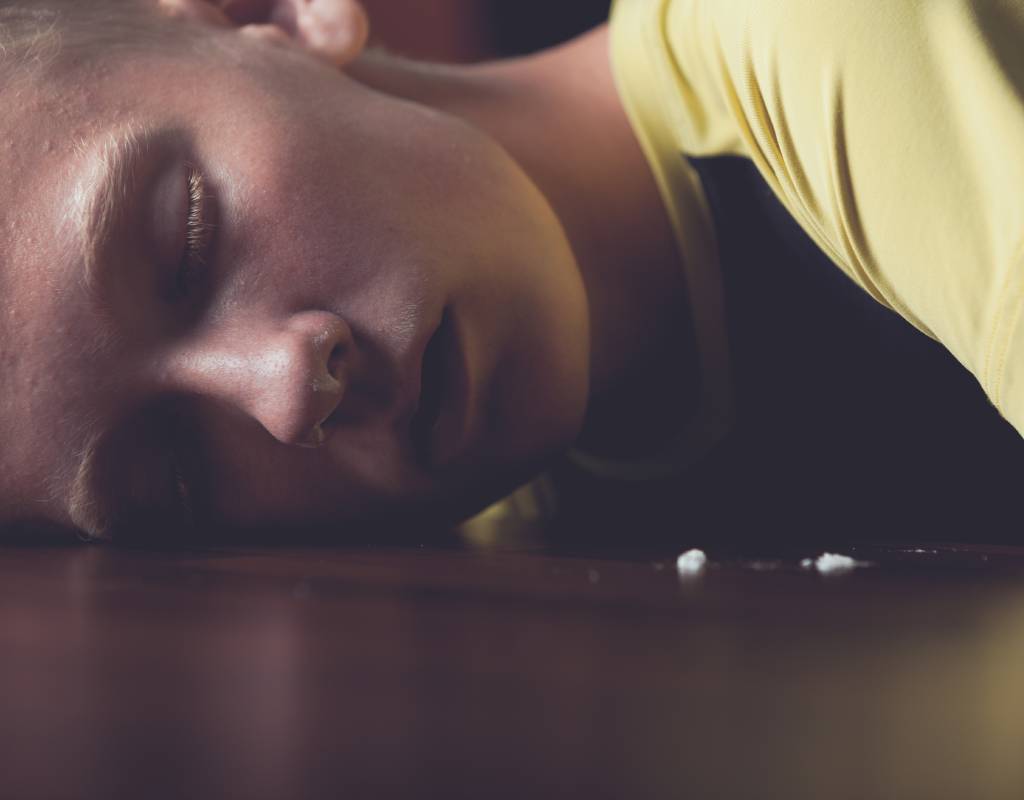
(532, 298)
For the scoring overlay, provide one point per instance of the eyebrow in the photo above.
(101, 192)
(101, 196)
(90, 500)
(89, 508)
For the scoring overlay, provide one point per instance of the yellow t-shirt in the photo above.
(891, 130)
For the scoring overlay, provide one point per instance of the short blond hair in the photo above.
(38, 34)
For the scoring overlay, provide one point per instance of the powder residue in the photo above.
(692, 562)
(831, 563)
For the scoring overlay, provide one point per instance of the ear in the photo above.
(335, 30)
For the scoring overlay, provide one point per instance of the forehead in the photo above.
(47, 136)
(37, 252)
(63, 121)
(49, 148)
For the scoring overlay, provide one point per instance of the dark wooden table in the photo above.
(462, 672)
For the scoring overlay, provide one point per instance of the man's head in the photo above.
(222, 262)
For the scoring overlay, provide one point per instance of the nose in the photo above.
(289, 376)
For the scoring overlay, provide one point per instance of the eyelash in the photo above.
(197, 234)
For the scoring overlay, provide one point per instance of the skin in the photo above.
(357, 200)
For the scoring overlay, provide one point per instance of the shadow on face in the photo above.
(240, 284)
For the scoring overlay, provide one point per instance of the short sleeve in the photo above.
(891, 130)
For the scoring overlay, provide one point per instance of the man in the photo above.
(254, 276)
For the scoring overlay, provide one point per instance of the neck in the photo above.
(559, 115)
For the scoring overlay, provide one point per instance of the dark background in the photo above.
(470, 30)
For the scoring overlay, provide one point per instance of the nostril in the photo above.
(335, 361)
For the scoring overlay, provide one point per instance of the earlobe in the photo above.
(335, 30)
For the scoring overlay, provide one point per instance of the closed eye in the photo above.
(198, 234)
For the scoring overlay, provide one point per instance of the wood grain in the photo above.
(425, 672)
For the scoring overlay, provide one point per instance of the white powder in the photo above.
(692, 562)
(831, 563)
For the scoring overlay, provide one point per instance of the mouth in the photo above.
(426, 421)
(437, 424)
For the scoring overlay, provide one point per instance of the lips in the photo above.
(426, 422)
